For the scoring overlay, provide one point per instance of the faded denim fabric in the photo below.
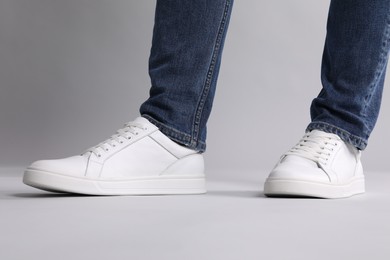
(187, 45)
(353, 69)
(184, 63)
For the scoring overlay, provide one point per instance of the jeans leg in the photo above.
(353, 69)
(187, 45)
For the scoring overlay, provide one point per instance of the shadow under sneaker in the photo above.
(320, 165)
(137, 160)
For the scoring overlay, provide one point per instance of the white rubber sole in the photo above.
(159, 185)
(281, 187)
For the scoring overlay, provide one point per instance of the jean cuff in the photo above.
(177, 136)
(358, 142)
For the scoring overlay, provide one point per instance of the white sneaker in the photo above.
(320, 165)
(137, 160)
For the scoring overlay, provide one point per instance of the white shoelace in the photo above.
(315, 147)
(122, 135)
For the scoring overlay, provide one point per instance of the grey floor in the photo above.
(232, 221)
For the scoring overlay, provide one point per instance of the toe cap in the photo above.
(300, 169)
(72, 166)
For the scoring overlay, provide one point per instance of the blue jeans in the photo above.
(187, 45)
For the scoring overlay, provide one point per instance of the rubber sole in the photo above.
(280, 188)
(159, 185)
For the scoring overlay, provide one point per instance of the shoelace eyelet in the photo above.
(120, 137)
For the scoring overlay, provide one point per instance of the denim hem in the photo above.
(177, 136)
(358, 142)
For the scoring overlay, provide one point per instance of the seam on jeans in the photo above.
(210, 73)
(380, 68)
(346, 136)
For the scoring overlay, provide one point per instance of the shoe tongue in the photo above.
(141, 120)
(300, 160)
(86, 154)
(319, 133)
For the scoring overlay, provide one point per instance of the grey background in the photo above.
(233, 221)
(72, 72)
